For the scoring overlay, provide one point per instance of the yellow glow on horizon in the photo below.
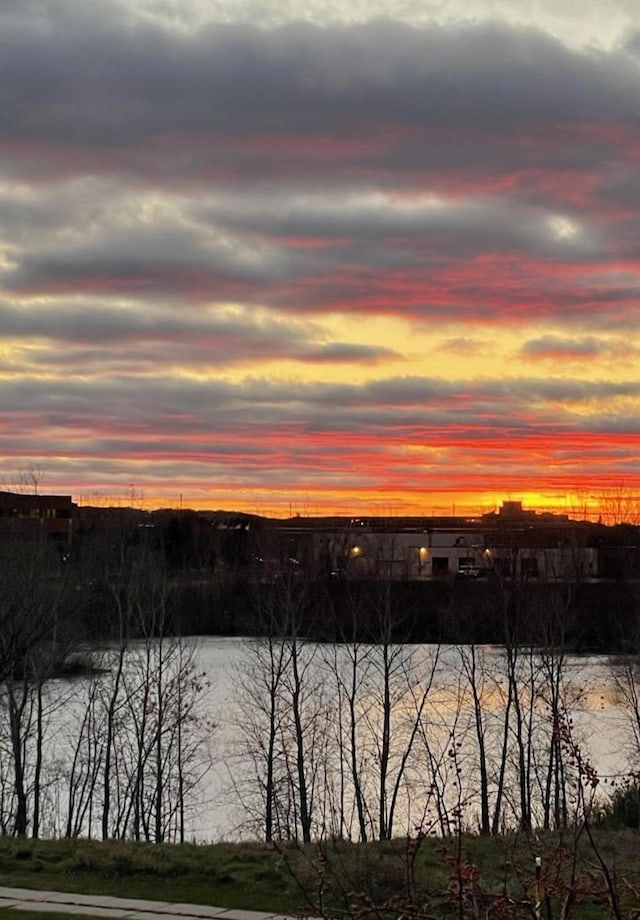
(365, 504)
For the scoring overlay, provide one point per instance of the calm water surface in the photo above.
(600, 721)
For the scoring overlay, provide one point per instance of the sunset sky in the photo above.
(367, 257)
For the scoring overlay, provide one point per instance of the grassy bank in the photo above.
(472, 877)
(224, 875)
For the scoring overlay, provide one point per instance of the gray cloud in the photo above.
(384, 106)
(143, 84)
(210, 404)
(549, 345)
(134, 337)
(337, 352)
(444, 225)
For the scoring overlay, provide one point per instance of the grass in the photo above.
(339, 878)
(223, 875)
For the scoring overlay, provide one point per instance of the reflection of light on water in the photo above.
(589, 694)
(600, 725)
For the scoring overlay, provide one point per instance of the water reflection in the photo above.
(440, 706)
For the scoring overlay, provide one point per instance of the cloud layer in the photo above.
(344, 263)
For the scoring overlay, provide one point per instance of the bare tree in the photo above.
(27, 479)
(34, 641)
(472, 662)
(283, 711)
(619, 504)
(349, 665)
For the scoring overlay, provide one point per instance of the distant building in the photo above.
(25, 512)
(512, 542)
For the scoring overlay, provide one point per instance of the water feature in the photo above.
(430, 770)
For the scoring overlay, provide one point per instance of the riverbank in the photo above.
(463, 877)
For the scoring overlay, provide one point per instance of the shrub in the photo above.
(623, 808)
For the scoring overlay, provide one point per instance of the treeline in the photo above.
(222, 568)
(218, 579)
